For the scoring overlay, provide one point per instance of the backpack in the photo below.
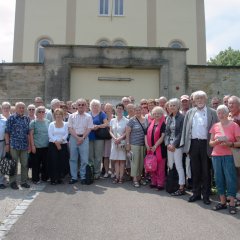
(89, 174)
(172, 180)
(150, 162)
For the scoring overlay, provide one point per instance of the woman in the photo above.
(149, 117)
(58, 150)
(154, 143)
(118, 133)
(31, 112)
(64, 107)
(6, 109)
(96, 146)
(39, 145)
(130, 110)
(135, 133)
(173, 133)
(107, 144)
(55, 103)
(224, 136)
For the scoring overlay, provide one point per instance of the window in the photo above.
(103, 7)
(118, 7)
(103, 43)
(176, 44)
(119, 43)
(41, 49)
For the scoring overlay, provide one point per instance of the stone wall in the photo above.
(21, 82)
(214, 80)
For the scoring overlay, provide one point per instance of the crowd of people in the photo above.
(61, 141)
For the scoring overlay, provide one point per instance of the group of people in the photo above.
(183, 132)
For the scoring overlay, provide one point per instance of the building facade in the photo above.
(140, 23)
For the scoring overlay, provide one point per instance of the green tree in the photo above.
(228, 57)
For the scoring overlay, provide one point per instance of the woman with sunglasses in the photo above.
(31, 112)
(39, 145)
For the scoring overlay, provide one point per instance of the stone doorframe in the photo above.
(59, 59)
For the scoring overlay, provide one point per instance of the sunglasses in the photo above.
(41, 111)
(31, 109)
(81, 105)
(74, 108)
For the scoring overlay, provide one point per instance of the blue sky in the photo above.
(222, 26)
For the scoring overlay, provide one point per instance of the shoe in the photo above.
(14, 186)
(96, 177)
(113, 175)
(72, 181)
(179, 192)
(60, 181)
(143, 182)
(83, 182)
(194, 198)
(2, 186)
(136, 184)
(206, 201)
(105, 175)
(152, 186)
(160, 188)
(115, 181)
(25, 185)
(232, 209)
(219, 206)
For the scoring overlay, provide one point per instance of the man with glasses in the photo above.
(17, 142)
(80, 124)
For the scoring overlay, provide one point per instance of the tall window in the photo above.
(103, 7)
(41, 49)
(118, 7)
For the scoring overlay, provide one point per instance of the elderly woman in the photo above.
(173, 133)
(118, 151)
(55, 103)
(135, 133)
(130, 110)
(149, 117)
(154, 141)
(6, 109)
(107, 143)
(58, 150)
(224, 136)
(96, 145)
(31, 111)
(39, 145)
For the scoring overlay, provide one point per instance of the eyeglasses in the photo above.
(81, 105)
(74, 108)
(31, 109)
(41, 111)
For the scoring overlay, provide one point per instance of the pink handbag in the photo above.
(150, 162)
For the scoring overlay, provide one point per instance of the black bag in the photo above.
(89, 174)
(102, 133)
(172, 180)
(8, 165)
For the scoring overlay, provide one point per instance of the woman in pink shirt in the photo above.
(224, 136)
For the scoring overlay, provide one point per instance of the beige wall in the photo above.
(174, 20)
(84, 83)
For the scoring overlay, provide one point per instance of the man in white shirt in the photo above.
(195, 142)
(80, 124)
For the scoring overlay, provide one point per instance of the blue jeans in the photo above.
(76, 150)
(225, 175)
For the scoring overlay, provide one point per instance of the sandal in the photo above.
(219, 206)
(115, 181)
(232, 210)
(120, 181)
(179, 192)
(136, 184)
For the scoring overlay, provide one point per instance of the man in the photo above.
(185, 104)
(17, 141)
(38, 101)
(225, 99)
(215, 102)
(80, 124)
(195, 142)
(162, 101)
(234, 114)
(3, 121)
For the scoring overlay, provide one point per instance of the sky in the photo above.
(222, 26)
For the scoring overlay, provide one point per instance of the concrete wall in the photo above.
(21, 82)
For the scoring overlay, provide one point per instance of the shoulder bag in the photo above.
(8, 165)
(102, 133)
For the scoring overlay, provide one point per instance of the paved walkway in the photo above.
(107, 211)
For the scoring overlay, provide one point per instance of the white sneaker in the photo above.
(105, 175)
(113, 175)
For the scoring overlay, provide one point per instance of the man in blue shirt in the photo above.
(17, 142)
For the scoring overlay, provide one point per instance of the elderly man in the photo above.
(225, 99)
(185, 104)
(80, 124)
(234, 114)
(195, 139)
(215, 102)
(17, 141)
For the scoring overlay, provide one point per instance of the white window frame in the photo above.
(105, 3)
(118, 3)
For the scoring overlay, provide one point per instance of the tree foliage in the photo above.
(228, 57)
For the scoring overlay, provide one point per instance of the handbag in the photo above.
(8, 165)
(172, 180)
(150, 162)
(102, 133)
(236, 156)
